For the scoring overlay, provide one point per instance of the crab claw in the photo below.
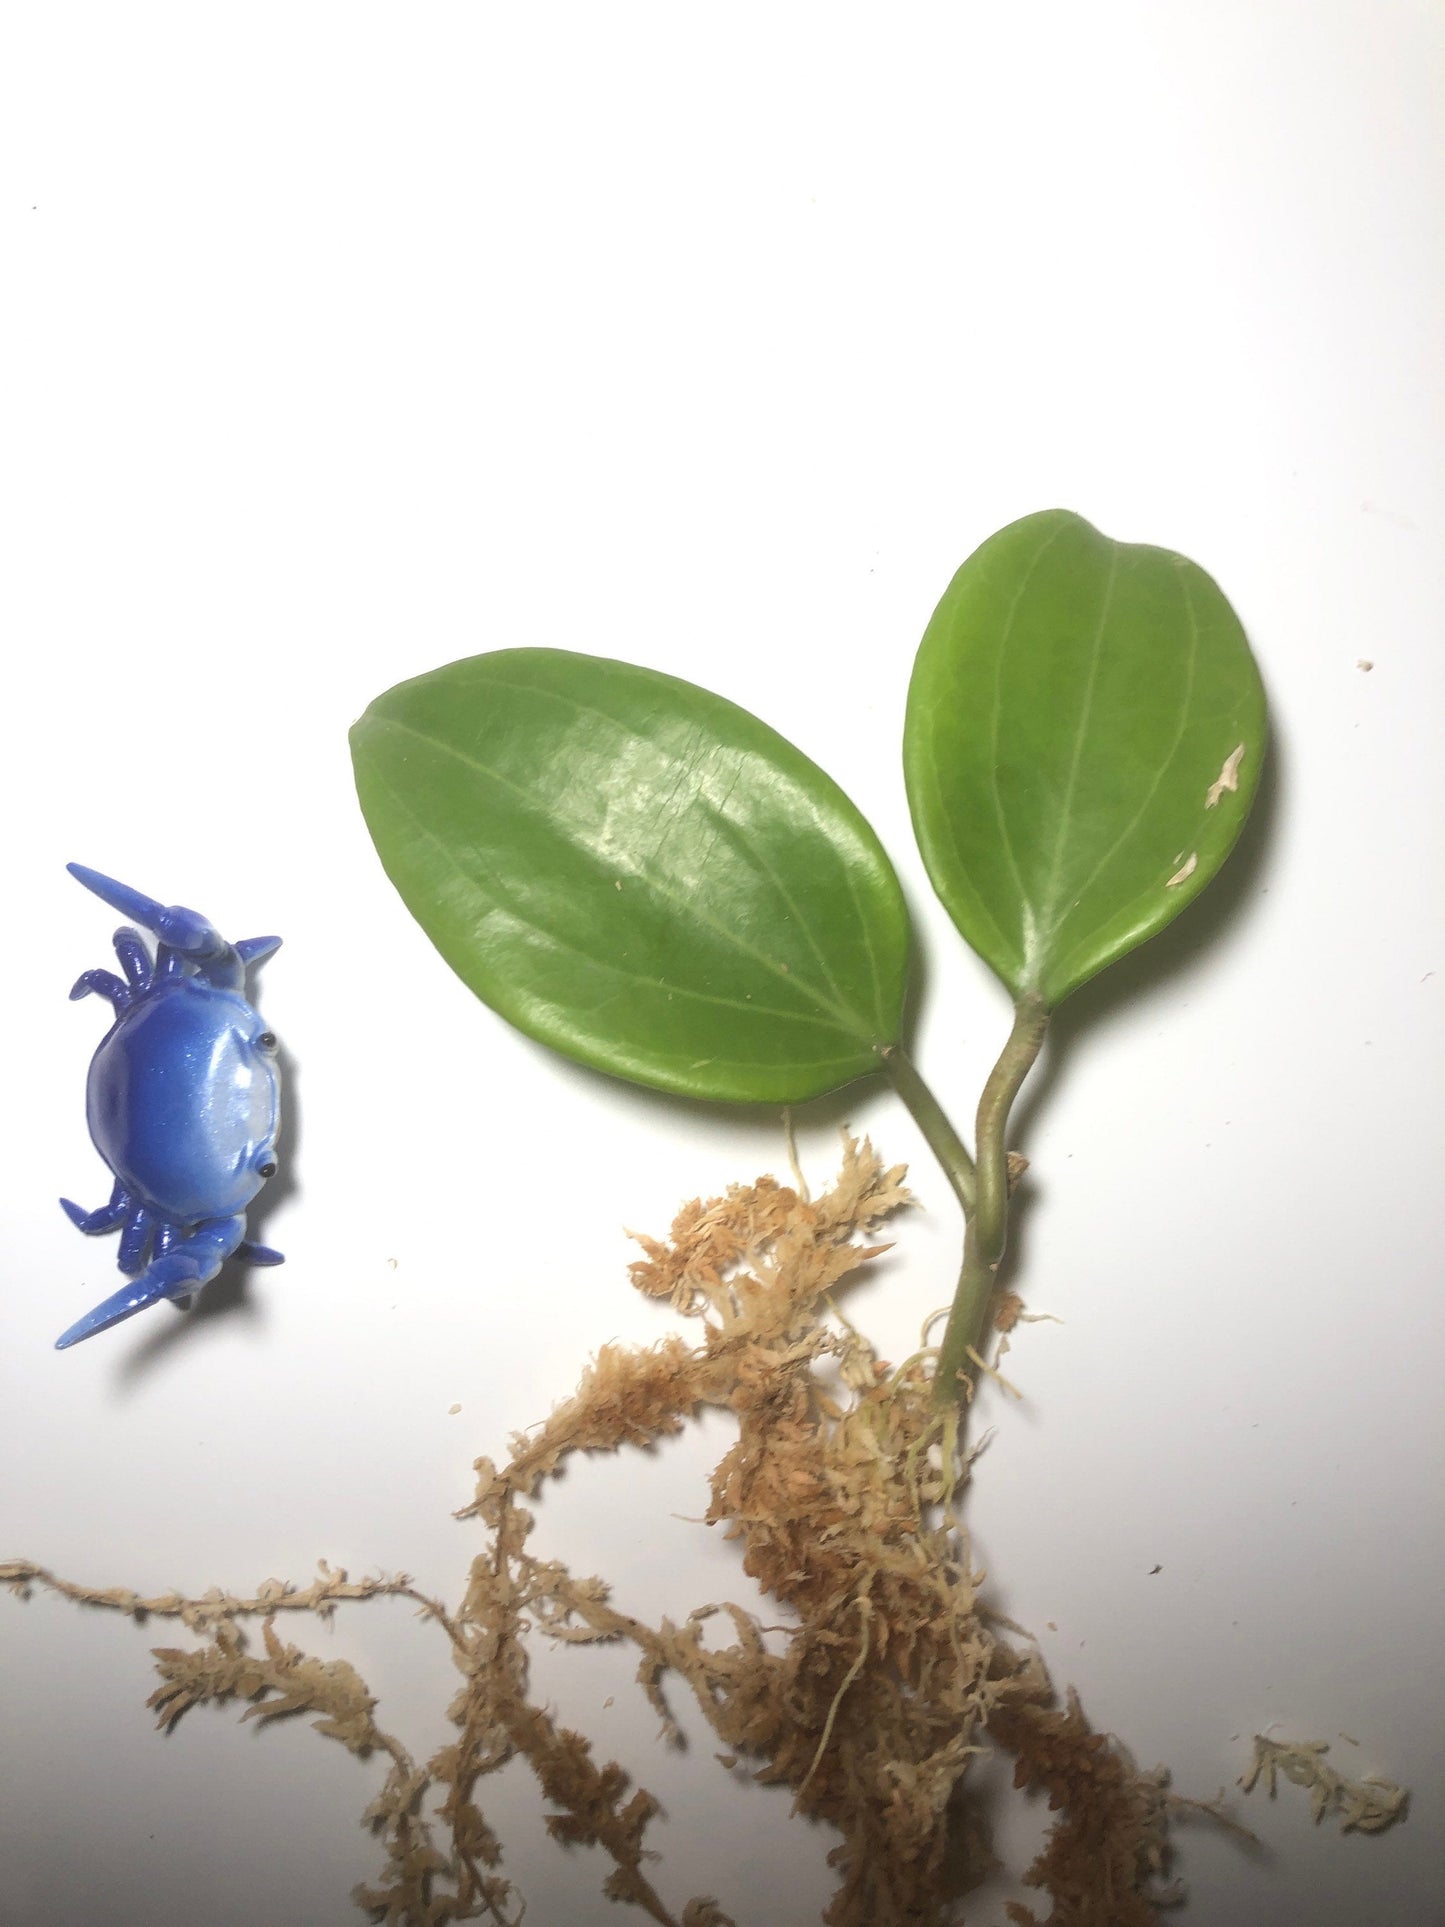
(184, 930)
(189, 1264)
(256, 949)
(132, 1297)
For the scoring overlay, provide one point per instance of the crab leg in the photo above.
(135, 959)
(104, 983)
(104, 1218)
(135, 1241)
(191, 1262)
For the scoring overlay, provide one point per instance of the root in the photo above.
(890, 1680)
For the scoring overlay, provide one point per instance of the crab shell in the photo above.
(183, 1101)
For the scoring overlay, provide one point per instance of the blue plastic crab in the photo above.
(182, 1103)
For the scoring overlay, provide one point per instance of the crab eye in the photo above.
(267, 1040)
(266, 1170)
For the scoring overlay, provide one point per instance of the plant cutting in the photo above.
(650, 879)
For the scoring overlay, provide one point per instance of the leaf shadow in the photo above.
(225, 1297)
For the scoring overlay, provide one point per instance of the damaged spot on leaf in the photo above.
(1228, 777)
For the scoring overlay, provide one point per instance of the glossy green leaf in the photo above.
(638, 873)
(1085, 733)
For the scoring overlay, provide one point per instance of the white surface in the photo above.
(344, 341)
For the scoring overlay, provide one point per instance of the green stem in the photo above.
(944, 1142)
(987, 1232)
(971, 1300)
(1016, 1060)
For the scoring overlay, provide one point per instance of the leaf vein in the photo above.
(1163, 770)
(1050, 919)
(509, 909)
(1028, 915)
(844, 1018)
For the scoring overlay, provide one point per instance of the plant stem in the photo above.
(987, 1229)
(944, 1142)
(953, 1381)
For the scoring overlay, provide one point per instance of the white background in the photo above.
(340, 342)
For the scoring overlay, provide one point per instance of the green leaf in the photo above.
(638, 873)
(1084, 736)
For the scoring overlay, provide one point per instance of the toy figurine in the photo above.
(182, 1102)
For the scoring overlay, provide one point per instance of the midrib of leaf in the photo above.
(1083, 889)
(1019, 943)
(1048, 917)
(1028, 917)
(845, 1019)
(605, 964)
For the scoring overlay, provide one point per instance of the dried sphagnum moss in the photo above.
(1369, 1805)
(839, 1490)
